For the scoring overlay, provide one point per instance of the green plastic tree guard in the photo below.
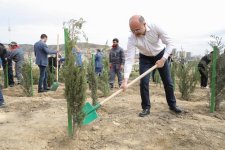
(70, 121)
(213, 83)
(6, 79)
(31, 77)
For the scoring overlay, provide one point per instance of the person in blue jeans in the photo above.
(41, 51)
(78, 55)
(2, 103)
(98, 62)
(155, 46)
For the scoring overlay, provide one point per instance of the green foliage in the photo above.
(220, 78)
(35, 72)
(74, 76)
(136, 67)
(188, 78)
(61, 77)
(216, 41)
(27, 81)
(1, 77)
(134, 74)
(93, 82)
(157, 78)
(51, 76)
(173, 70)
(103, 80)
(6, 79)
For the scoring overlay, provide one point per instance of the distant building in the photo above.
(181, 54)
(188, 55)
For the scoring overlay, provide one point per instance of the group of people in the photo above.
(155, 46)
(13, 54)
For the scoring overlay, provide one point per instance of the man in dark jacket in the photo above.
(203, 69)
(17, 55)
(41, 51)
(116, 62)
(7, 62)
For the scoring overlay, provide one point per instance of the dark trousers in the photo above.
(146, 62)
(10, 71)
(42, 85)
(1, 97)
(115, 69)
(204, 76)
(153, 76)
(98, 70)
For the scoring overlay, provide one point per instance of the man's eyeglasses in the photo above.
(135, 31)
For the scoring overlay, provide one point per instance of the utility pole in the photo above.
(9, 30)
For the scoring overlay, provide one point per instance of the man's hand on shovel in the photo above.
(160, 63)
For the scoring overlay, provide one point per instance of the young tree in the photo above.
(74, 76)
(93, 81)
(103, 80)
(220, 70)
(220, 78)
(219, 81)
(216, 41)
(27, 80)
(188, 78)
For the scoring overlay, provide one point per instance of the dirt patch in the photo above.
(40, 123)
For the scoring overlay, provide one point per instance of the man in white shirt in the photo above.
(150, 40)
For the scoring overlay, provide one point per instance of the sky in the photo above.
(189, 22)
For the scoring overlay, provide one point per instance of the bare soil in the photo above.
(40, 123)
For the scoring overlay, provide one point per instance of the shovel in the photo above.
(55, 85)
(90, 111)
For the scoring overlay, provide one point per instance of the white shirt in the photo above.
(150, 44)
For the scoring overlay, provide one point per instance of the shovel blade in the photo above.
(90, 113)
(54, 86)
(90, 118)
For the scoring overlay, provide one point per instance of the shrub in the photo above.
(35, 72)
(92, 81)
(188, 78)
(103, 80)
(74, 76)
(27, 82)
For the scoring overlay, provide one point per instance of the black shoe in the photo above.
(47, 89)
(11, 85)
(176, 109)
(144, 113)
(2, 105)
(111, 86)
(41, 91)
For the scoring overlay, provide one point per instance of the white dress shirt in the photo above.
(150, 44)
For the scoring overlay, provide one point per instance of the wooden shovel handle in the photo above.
(131, 83)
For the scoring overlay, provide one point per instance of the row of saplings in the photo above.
(185, 77)
(78, 78)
